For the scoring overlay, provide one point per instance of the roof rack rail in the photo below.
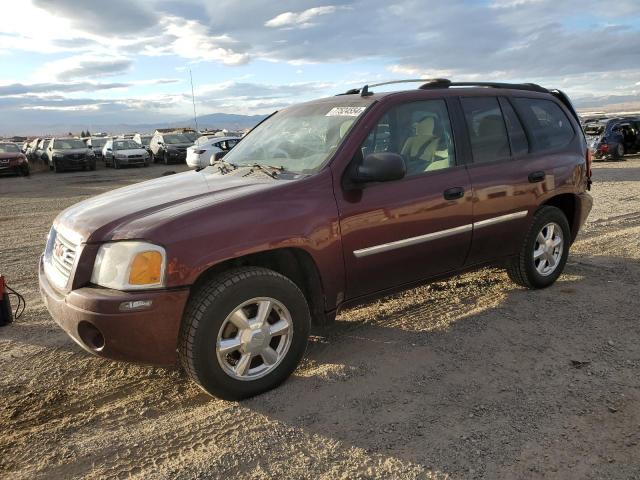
(433, 83)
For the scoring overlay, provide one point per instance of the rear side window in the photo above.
(487, 130)
(548, 125)
(519, 142)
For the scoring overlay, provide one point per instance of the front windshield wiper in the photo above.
(270, 170)
(223, 166)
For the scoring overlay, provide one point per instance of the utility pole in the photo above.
(193, 99)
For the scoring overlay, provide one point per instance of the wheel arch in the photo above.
(568, 204)
(294, 263)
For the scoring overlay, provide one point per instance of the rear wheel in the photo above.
(544, 251)
(619, 152)
(244, 332)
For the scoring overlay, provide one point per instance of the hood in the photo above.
(70, 151)
(131, 151)
(107, 216)
(5, 155)
(169, 146)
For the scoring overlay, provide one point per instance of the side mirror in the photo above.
(218, 156)
(380, 167)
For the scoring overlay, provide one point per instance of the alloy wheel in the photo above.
(254, 339)
(548, 247)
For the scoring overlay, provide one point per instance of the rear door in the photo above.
(398, 232)
(519, 148)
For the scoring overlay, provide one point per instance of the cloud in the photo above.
(35, 88)
(110, 18)
(74, 68)
(300, 19)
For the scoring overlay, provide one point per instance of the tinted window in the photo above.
(548, 126)
(487, 131)
(519, 142)
(419, 131)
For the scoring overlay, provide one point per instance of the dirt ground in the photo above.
(469, 378)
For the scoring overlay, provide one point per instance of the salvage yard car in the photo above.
(69, 153)
(323, 205)
(614, 137)
(97, 144)
(202, 152)
(120, 153)
(169, 147)
(12, 160)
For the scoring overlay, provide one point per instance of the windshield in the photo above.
(125, 145)
(300, 138)
(68, 144)
(98, 142)
(9, 148)
(192, 136)
(175, 138)
(145, 140)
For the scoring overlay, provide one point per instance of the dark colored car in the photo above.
(96, 144)
(323, 205)
(70, 153)
(614, 137)
(169, 147)
(12, 160)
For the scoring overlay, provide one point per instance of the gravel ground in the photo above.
(469, 378)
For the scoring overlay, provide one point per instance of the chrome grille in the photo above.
(60, 256)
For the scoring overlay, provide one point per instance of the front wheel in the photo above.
(620, 152)
(544, 252)
(165, 157)
(244, 332)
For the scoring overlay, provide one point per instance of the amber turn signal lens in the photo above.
(146, 268)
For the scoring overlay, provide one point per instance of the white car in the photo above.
(119, 152)
(201, 153)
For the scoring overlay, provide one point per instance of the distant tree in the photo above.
(88, 133)
(82, 134)
(70, 134)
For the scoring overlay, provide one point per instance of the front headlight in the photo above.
(129, 265)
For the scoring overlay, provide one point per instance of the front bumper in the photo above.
(146, 336)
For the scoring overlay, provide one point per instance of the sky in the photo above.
(100, 61)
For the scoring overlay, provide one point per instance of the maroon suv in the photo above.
(323, 205)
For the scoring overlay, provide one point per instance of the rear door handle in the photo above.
(453, 193)
(536, 177)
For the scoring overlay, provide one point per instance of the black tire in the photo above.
(116, 164)
(57, 167)
(619, 155)
(521, 269)
(165, 158)
(92, 166)
(206, 312)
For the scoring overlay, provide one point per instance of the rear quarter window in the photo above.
(548, 126)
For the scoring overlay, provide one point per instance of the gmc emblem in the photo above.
(58, 250)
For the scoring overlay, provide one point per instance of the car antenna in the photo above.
(193, 99)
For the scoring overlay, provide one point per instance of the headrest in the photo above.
(425, 127)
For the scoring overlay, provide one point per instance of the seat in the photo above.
(419, 150)
(491, 141)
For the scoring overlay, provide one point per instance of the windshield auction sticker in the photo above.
(345, 111)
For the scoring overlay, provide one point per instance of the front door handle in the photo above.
(453, 193)
(536, 177)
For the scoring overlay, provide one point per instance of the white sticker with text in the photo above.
(345, 111)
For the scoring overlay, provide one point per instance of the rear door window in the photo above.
(517, 135)
(487, 130)
(547, 124)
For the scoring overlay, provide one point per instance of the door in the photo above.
(512, 167)
(398, 232)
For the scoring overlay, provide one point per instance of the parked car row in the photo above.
(613, 138)
(12, 160)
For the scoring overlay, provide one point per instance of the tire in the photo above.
(116, 164)
(619, 155)
(57, 167)
(208, 313)
(165, 158)
(92, 166)
(523, 269)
